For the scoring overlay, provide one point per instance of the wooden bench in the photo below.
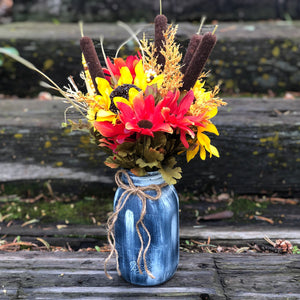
(67, 275)
(254, 57)
(80, 275)
(34, 147)
(258, 144)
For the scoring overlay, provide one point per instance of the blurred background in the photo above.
(257, 50)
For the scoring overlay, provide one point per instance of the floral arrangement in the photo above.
(152, 106)
(145, 110)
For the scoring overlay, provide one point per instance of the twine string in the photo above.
(140, 191)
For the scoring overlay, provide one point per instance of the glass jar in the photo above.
(162, 222)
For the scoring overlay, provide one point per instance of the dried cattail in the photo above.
(91, 58)
(193, 45)
(161, 25)
(199, 60)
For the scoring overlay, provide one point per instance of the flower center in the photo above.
(150, 75)
(145, 124)
(121, 91)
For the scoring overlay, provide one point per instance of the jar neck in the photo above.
(149, 178)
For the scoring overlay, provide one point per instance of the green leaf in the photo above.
(170, 174)
(170, 162)
(55, 21)
(295, 250)
(141, 163)
(126, 149)
(152, 155)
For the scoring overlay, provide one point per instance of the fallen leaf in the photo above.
(289, 96)
(61, 226)
(30, 222)
(243, 249)
(45, 243)
(2, 218)
(223, 197)
(284, 201)
(9, 245)
(264, 219)
(226, 214)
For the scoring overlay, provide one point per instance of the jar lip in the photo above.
(149, 174)
(153, 177)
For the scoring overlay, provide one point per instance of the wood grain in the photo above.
(80, 276)
(258, 143)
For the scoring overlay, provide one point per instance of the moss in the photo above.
(242, 206)
(276, 51)
(58, 211)
(64, 201)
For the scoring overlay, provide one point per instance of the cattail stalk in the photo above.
(91, 58)
(198, 61)
(193, 45)
(161, 25)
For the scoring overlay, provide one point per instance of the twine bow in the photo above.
(129, 190)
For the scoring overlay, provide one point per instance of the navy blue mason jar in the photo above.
(162, 222)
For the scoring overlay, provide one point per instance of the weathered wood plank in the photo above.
(56, 274)
(95, 11)
(260, 134)
(244, 262)
(241, 234)
(265, 53)
(61, 275)
(63, 278)
(225, 234)
(86, 260)
(247, 276)
(74, 230)
(78, 237)
(108, 292)
(266, 296)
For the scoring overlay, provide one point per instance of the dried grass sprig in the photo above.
(172, 74)
(150, 60)
(54, 85)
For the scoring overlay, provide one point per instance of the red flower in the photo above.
(131, 62)
(108, 143)
(115, 132)
(175, 114)
(143, 117)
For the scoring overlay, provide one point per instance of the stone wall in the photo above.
(145, 10)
